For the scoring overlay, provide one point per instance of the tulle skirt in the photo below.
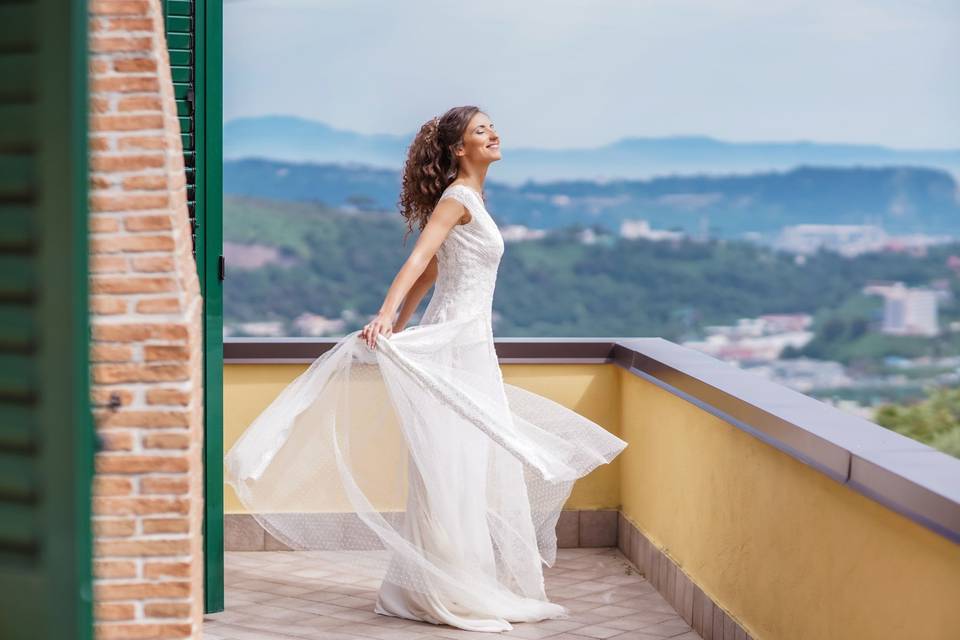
(419, 448)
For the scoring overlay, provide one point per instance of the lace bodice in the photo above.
(467, 261)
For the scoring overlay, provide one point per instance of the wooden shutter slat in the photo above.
(17, 327)
(19, 73)
(17, 177)
(17, 377)
(18, 477)
(17, 427)
(17, 277)
(18, 133)
(18, 528)
(17, 227)
(17, 26)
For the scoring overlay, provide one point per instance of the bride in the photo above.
(409, 440)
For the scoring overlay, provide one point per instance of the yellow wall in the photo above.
(591, 390)
(787, 551)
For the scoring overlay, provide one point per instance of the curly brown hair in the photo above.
(431, 164)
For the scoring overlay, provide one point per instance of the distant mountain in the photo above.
(901, 199)
(296, 139)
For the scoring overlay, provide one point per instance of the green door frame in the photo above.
(209, 197)
(195, 42)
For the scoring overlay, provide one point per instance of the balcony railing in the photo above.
(744, 502)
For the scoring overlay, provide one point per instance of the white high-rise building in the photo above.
(908, 311)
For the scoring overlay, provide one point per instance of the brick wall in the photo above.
(146, 325)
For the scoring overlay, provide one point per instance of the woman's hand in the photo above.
(381, 324)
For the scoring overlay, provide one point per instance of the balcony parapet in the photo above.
(907, 476)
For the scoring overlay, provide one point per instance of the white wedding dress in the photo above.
(418, 447)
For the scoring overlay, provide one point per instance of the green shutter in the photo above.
(46, 432)
(195, 42)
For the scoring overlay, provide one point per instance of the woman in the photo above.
(410, 440)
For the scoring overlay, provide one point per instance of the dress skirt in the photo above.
(418, 448)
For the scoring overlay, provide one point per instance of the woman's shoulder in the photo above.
(457, 187)
(466, 196)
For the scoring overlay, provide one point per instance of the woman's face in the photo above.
(481, 144)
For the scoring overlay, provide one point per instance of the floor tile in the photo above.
(330, 595)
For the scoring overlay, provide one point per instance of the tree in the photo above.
(934, 421)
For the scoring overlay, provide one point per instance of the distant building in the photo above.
(520, 233)
(852, 240)
(261, 329)
(632, 229)
(780, 322)
(906, 310)
(311, 324)
(805, 374)
(760, 339)
(589, 236)
(845, 239)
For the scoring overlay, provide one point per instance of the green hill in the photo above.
(320, 260)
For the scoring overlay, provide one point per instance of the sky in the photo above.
(566, 74)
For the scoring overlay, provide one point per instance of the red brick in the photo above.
(166, 570)
(146, 182)
(168, 396)
(130, 24)
(129, 202)
(158, 305)
(114, 611)
(165, 525)
(117, 162)
(103, 396)
(138, 143)
(131, 284)
(104, 224)
(124, 84)
(168, 485)
(167, 631)
(116, 440)
(142, 548)
(135, 65)
(141, 464)
(143, 419)
(114, 527)
(119, 7)
(107, 305)
(98, 143)
(99, 104)
(108, 264)
(148, 222)
(111, 353)
(165, 353)
(139, 506)
(112, 486)
(140, 103)
(105, 44)
(153, 264)
(133, 244)
(166, 441)
(139, 332)
(167, 610)
(114, 569)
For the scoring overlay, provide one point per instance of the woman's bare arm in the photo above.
(416, 293)
(444, 217)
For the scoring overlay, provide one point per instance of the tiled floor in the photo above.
(279, 595)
